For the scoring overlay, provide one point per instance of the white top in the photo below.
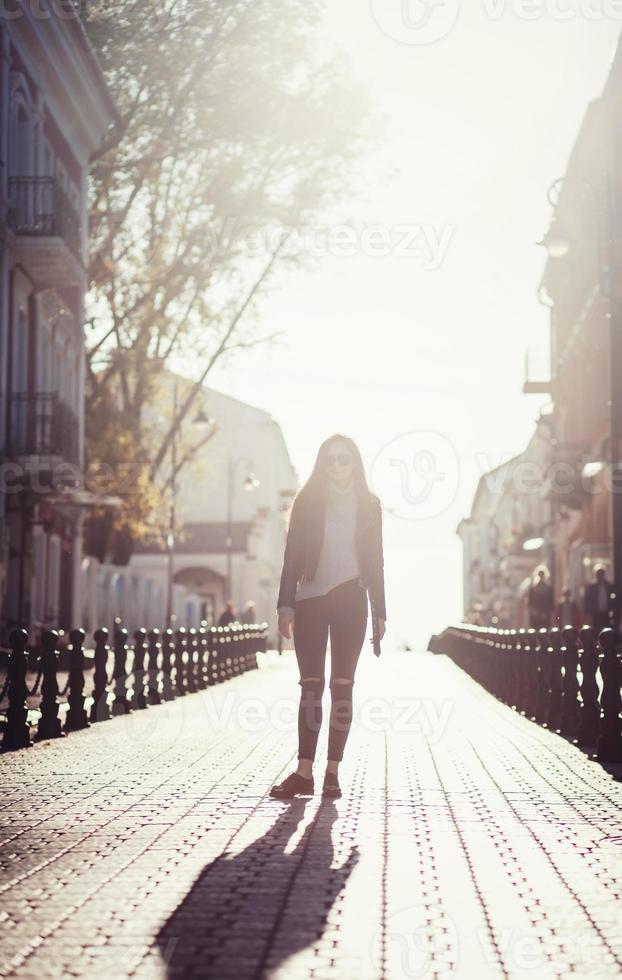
(337, 561)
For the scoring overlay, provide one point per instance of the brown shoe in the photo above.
(331, 787)
(292, 785)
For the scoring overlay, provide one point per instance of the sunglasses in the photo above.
(344, 459)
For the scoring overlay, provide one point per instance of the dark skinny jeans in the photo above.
(342, 614)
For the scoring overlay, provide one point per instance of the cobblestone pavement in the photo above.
(468, 843)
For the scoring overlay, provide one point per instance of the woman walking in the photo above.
(333, 560)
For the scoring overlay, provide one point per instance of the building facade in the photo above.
(233, 500)
(55, 112)
(582, 284)
(507, 534)
(114, 594)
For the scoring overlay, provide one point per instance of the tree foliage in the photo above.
(236, 128)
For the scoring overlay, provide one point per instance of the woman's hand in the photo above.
(286, 625)
(381, 624)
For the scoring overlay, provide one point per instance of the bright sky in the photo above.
(420, 358)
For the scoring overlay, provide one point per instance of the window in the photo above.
(39, 542)
(20, 352)
(61, 175)
(48, 159)
(52, 578)
(44, 358)
(22, 148)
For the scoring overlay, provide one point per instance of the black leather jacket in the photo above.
(304, 542)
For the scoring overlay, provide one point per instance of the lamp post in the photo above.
(558, 245)
(250, 483)
(201, 421)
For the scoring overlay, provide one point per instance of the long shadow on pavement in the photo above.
(260, 905)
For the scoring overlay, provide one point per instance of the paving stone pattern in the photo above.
(469, 842)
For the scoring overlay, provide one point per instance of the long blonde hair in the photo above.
(313, 490)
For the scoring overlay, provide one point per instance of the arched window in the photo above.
(22, 144)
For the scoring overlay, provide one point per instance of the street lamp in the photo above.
(250, 483)
(201, 421)
(533, 544)
(558, 245)
(556, 241)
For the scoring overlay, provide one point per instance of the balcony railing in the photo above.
(40, 207)
(42, 425)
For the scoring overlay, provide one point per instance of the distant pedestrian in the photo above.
(599, 602)
(333, 563)
(568, 612)
(250, 613)
(541, 600)
(228, 615)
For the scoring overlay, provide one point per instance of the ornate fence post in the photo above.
(246, 645)
(494, 660)
(191, 662)
(121, 704)
(76, 717)
(529, 674)
(263, 644)
(141, 676)
(256, 643)
(227, 660)
(100, 709)
(259, 644)
(543, 682)
(221, 647)
(590, 708)
(203, 670)
(468, 646)
(168, 664)
(554, 714)
(483, 660)
(515, 669)
(504, 653)
(570, 706)
(236, 649)
(17, 731)
(198, 659)
(214, 643)
(180, 666)
(519, 670)
(49, 723)
(155, 677)
(609, 746)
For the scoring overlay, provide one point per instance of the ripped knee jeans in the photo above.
(342, 615)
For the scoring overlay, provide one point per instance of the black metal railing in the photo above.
(41, 424)
(566, 680)
(124, 675)
(40, 207)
